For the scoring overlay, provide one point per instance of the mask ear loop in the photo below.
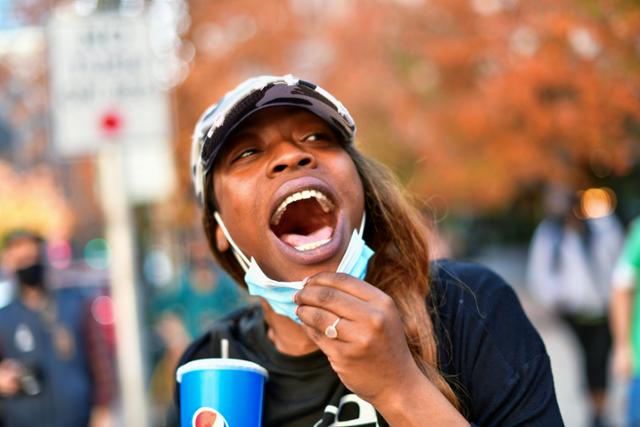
(242, 259)
(364, 217)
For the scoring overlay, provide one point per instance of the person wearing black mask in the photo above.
(52, 369)
(31, 276)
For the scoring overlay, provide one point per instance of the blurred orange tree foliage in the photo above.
(33, 202)
(467, 100)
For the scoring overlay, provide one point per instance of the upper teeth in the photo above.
(324, 202)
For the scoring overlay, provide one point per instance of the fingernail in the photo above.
(293, 297)
(296, 311)
(304, 281)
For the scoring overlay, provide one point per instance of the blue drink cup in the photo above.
(221, 393)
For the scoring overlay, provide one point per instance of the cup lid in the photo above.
(217, 363)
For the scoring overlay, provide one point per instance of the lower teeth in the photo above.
(312, 245)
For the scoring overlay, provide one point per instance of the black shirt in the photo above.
(488, 351)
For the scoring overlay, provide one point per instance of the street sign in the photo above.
(104, 90)
(102, 83)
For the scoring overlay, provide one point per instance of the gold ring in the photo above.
(331, 331)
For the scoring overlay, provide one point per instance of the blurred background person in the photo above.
(202, 293)
(175, 339)
(55, 370)
(625, 321)
(569, 269)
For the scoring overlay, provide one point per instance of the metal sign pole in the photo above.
(119, 233)
(106, 101)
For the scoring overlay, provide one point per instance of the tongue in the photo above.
(300, 239)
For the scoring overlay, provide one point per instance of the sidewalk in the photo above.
(510, 263)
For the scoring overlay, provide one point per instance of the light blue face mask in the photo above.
(279, 294)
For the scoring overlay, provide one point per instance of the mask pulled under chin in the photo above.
(32, 275)
(279, 294)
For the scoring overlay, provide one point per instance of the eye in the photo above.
(317, 136)
(245, 153)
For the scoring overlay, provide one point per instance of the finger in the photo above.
(332, 348)
(316, 336)
(334, 300)
(346, 283)
(318, 320)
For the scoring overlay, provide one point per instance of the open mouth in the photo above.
(305, 220)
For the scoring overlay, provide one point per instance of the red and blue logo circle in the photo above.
(208, 417)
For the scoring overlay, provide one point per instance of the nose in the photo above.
(288, 156)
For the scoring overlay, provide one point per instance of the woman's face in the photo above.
(288, 193)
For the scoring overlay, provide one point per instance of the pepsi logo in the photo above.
(208, 417)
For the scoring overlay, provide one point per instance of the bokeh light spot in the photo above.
(59, 254)
(157, 267)
(97, 254)
(598, 202)
(102, 310)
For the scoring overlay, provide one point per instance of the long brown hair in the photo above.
(396, 231)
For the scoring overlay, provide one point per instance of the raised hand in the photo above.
(369, 352)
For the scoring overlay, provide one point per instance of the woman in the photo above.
(355, 326)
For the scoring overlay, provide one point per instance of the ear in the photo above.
(221, 241)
